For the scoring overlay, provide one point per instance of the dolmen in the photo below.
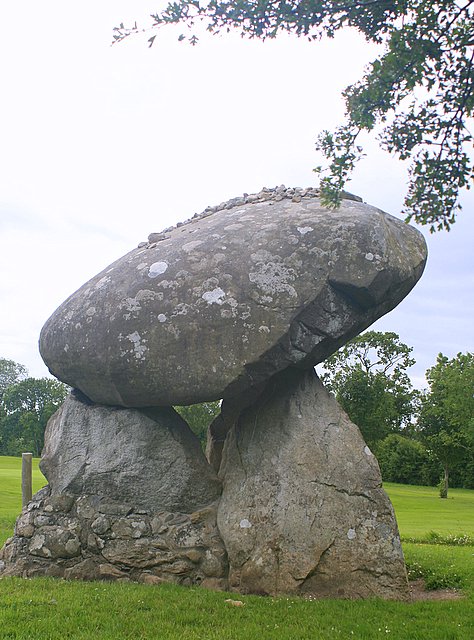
(237, 304)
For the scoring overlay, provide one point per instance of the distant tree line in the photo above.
(419, 437)
(26, 404)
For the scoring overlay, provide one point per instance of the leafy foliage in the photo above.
(420, 89)
(446, 421)
(368, 377)
(25, 408)
(405, 461)
(10, 373)
(199, 417)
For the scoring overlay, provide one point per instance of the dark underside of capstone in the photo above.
(237, 304)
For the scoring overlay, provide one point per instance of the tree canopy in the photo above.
(419, 90)
(11, 372)
(446, 420)
(26, 404)
(369, 379)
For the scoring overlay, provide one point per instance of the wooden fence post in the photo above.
(26, 478)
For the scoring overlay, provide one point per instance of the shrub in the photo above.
(403, 460)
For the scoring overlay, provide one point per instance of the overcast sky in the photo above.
(102, 145)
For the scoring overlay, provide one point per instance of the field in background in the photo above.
(47, 609)
(10, 492)
(420, 510)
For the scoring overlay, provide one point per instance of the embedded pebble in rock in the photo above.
(217, 305)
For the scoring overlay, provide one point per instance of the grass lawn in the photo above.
(10, 491)
(420, 510)
(46, 609)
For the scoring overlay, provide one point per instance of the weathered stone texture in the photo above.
(220, 304)
(97, 539)
(302, 509)
(148, 458)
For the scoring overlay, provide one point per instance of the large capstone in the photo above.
(303, 510)
(220, 304)
(148, 458)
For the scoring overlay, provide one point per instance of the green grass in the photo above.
(420, 511)
(10, 491)
(47, 609)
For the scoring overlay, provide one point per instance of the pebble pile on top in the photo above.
(238, 303)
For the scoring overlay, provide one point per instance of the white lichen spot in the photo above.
(369, 256)
(273, 278)
(181, 309)
(264, 329)
(304, 230)
(138, 347)
(130, 304)
(66, 347)
(216, 296)
(162, 317)
(245, 524)
(367, 451)
(90, 311)
(141, 266)
(157, 268)
(217, 258)
(351, 534)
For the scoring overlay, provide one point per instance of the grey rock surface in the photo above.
(91, 537)
(148, 458)
(219, 304)
(303, 509)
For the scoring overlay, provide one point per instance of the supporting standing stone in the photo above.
(148, 458)
(131, 497)
(303, 510)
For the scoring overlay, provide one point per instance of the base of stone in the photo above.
(89, 538)
(302, 509)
